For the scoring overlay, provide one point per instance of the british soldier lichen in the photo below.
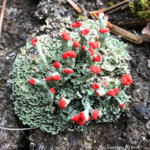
(67, 82)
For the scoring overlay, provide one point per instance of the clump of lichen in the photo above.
(141, 9)
(66, 82)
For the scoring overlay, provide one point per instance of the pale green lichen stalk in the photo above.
(68, 81)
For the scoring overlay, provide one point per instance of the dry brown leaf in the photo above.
(146, 30)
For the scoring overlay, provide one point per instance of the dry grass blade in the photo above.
(2, 15)
(111, 7)
(76, 7)
(16, 129)
(133, 23)
(126, 34)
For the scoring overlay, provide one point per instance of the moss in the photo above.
(142, 9)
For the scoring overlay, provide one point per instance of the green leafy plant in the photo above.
(68, 81)
(142, 9)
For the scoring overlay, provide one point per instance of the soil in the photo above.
(22, 21)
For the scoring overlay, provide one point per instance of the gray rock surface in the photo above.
(8, 139)
(132, 131)
(17, 26)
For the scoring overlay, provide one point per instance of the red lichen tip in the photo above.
(95, 114)
(48, 79)
(66, 36)
(85, 31)
(83, 47)
(100, 92)
(126, 79)
(34, 41)
(94, 44)
(77, 24)
(75, 118)
(122, 105)
(105, 84)
(32, 81)
(91, 50)
(96, 86)
(104, 30)
(58, 33)
(69, 54)
(76, 44)
(52, 90)
(62, 103)
(88, 118)
(57, 64)
(56, 77)
(72, 54)
(95, 69)
(82, 116)
(97, 58)
(65, 55)
(113, 92)
(68, 71)
(80, 122)
(99, 13)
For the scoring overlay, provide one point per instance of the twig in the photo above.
(76, 7)
(126, 34)
(118, 8)
(93, 17)
(111, 7)
(2, 15)
(16, 129)
(122, 7)
(133, 23)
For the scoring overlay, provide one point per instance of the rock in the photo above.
(13, 34)
(96, 136)
(143, 112)
(8, 139)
